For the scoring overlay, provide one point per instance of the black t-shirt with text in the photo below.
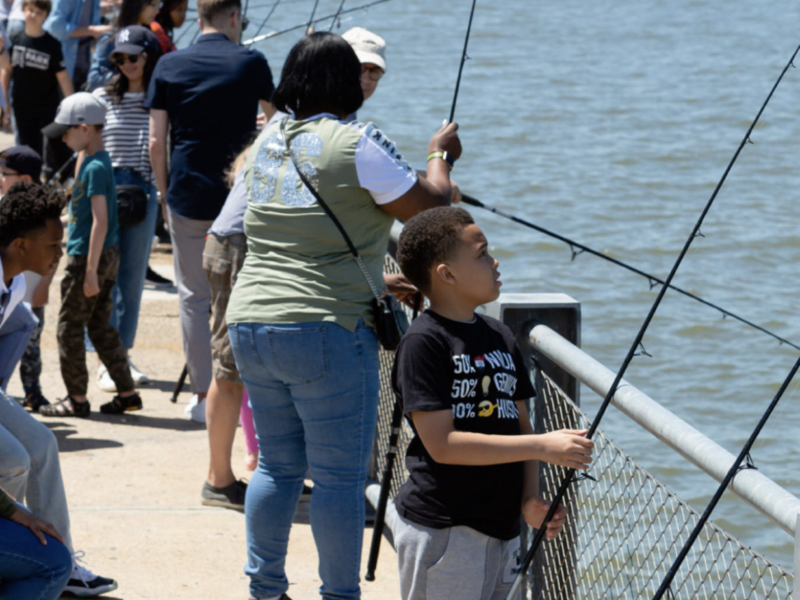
(476, 371)
(35, 62)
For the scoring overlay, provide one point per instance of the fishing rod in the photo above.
(264, 22)
(540, 533)
(744, 455)
(336, 17)
(273, 34)
(388, 472)
(464, 58)
(654, 281)
(311, 18)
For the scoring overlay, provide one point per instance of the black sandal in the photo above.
(67, 408)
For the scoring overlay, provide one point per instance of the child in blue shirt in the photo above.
(92, 264)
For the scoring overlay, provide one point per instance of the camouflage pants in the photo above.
(30, 367)
(78, 312)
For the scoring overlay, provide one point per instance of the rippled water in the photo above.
(611, 123)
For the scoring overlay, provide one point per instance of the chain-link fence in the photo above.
(627, 529)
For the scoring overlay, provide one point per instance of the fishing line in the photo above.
(311, 18)
(540, 533)
(336, 17)
(654, 281)
(273, 34)
(464, 59)
(264, 22)
(744, 455)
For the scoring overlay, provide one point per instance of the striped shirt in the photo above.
(126, 132)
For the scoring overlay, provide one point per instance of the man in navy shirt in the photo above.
(206, 98)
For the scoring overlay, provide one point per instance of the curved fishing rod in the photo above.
(652, 278)
(264, 22)
(273, 34)
(744, 455)
(336, 16)
(464, 58)
(311, 18)
(540, 533)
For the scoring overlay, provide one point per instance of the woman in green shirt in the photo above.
(300, 318)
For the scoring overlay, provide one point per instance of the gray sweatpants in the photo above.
(457, 562)
(194, 296)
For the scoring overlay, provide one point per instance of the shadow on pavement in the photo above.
(65, 433)
(138, 419)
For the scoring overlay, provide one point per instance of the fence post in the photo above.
(520, 312)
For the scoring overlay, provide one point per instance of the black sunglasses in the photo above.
(119, 59)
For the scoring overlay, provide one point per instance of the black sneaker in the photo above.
(85, 584)
(230, 496)
(156, 279)
(120, 405)
(34, 401)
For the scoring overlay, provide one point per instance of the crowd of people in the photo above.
(279, 223)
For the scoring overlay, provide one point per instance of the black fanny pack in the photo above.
(131, 205)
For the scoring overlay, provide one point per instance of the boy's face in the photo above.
(477, 279)
(41, 250)
(77, 137)
(34, 17)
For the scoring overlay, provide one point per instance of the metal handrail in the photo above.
(763, 494)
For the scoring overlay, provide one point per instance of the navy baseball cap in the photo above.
(136, 39)
(22, 159)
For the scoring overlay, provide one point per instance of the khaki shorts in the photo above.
(223, 258)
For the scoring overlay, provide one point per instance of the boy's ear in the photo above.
(443, 274)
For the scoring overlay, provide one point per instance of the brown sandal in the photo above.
(67, 408)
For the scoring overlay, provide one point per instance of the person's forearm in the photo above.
(96, 240)
(92, 31)
(158, 160)
(480, 449)
(438, 176)
(42, 291)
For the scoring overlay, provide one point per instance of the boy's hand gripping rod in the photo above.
(540, 533)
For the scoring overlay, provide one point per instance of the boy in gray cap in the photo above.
(92, 264)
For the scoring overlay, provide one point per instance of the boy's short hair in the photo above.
(43, 5)
(430, 238)
(209, 10)
(27, 207)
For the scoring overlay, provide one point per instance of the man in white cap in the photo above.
(371, 52)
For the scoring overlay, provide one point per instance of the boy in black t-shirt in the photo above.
(473, 460)
(39, 79)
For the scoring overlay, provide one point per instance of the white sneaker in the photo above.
(196, 409)
(104, 381)
(138, 377)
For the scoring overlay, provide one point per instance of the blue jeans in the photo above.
(134, 252)
(314, 392)
(29, 570)
(14, 336)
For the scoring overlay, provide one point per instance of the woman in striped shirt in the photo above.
(126, 138)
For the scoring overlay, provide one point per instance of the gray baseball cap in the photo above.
(81, 107)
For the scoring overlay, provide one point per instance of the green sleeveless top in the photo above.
(298, 267)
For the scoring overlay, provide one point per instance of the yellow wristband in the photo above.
(444, 156)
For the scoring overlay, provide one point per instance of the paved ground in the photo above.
(133, 482)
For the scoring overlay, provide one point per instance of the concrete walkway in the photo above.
(133, 482)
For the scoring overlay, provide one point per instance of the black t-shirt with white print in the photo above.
(476, 371)
(35, 62)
